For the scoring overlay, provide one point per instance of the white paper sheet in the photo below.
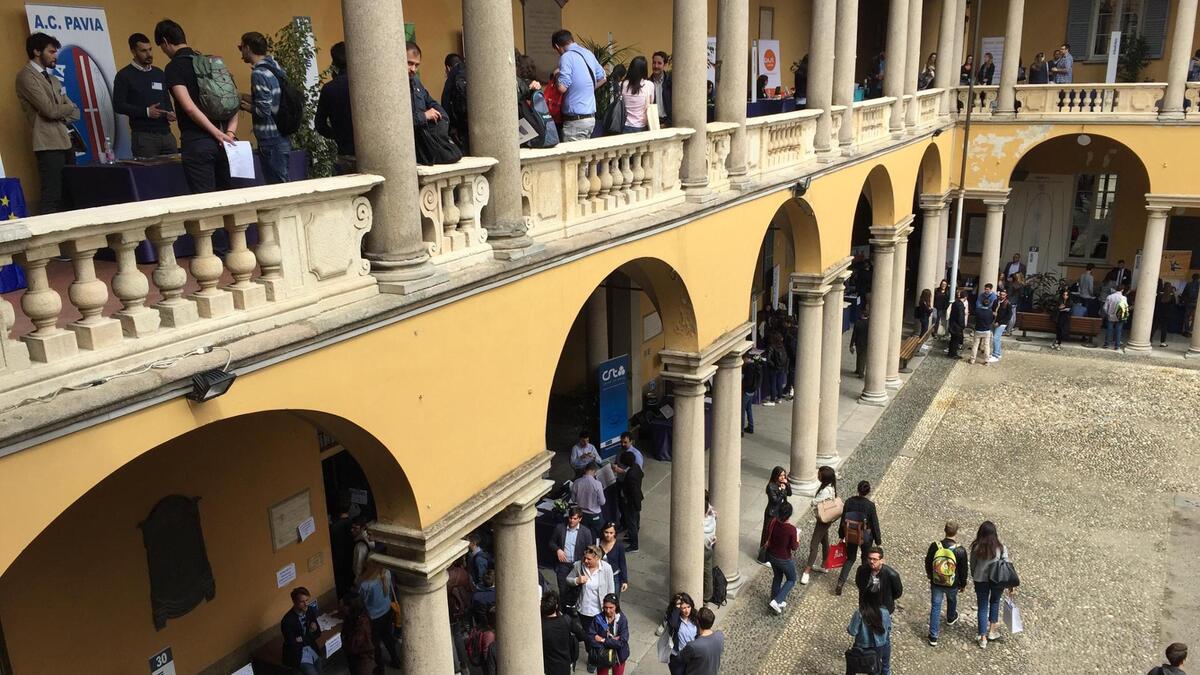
(241, 159)
(307, 527)
(333, 644)
(285, 575)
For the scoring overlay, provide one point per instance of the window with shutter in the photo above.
(1154, 26)
(1079, 25)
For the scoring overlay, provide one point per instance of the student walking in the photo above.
(1005, 313)
(871, 627)
(941, 305)
(859, 528)
(820, 536)
(778, 491)
(782, 540)
(1062, 323)
(608, 638)
(987, 551)
(957, 323)
(1116, 311)
(924, 311)
(947, 567)
(875, 576)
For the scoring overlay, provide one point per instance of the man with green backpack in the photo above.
(946, 567)
(206, 105)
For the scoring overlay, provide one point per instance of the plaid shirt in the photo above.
(265, 95)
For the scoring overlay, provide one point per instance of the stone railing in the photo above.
(585, 184)
(302, 257)
(1191, 100)
(871, 120)
(1118, 101)
(981, 103)
(780, 142)
(719, 136)
(837, 112)
(452, 196)
(927, 102)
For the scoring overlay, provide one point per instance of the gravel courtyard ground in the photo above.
(1090, 466)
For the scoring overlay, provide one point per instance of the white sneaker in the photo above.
(783, 605)
(993, 359)
(819, 569)
(993, 634)
(804, 579)
(775, 606)
(983, 642)
(769, 403)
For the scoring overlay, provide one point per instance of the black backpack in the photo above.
(720, 587)
(291, 105)
(456, 106)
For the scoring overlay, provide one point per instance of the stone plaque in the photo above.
(286, 517)
(541, 19)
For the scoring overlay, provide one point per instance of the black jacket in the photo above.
(631, 487)
(958, 317)
(859, 333)
(986, 72)
(775, 497)
(333, 119)
(1004, 313)
(941, 299)
(961, 573)
(295, 638)
(857, 504)
(582, 540)
(984, 318)
(751, 377)
(560, 644)
(889, 584)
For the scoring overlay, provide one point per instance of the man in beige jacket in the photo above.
(45, 104)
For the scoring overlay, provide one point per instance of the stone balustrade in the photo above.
(303, 258)
(1116, 101)
(452, 195)
(780, 142)
(981, 101)
(836, 114)
(1191, 98)
(871, 120)
(719, 135)
(585, 184)
(928, 102)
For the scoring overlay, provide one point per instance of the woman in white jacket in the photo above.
(594, 577)
(820, 535)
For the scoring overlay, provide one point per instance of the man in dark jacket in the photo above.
(631, 498)
(985, 320)
(938, 587)
(957, 323)
(751, 382)
(1176, 655)
(300, 633)
(860, 510)
(333, 119)
(1005, 314)
(568, 543)
(858, 341)
(877, 577)
(560, 638)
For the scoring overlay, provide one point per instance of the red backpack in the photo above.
(478, 641)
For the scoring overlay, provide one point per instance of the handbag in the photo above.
(666, 646)
(864, 659)
(1011, 615)
(829, 510)
(603, 656)
(652, 122)
(614, 117)
(395, 605)
(1002, 573)
(836, 556)
(433, 144)
(762, 550)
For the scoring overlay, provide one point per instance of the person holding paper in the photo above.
(140, 93)
(300, 633)
(205, 164)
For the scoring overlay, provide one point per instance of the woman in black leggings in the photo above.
(1062, 323)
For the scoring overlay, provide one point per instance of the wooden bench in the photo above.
(910, 346)
(1087, 327)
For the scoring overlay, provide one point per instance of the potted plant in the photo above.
(612, 59)
(294, 48)
(1135, 56)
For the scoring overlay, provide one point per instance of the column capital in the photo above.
(1158, 210)
(934, 201)
(1170, 201)
(689, 383)
(522, 510)
(986, 194)
(733, 357)
(680, 361)
(995, 205)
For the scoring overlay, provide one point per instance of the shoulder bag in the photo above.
(829, 510)
(864, 659)
(601, 655)
(762, 550)
(1002, 573)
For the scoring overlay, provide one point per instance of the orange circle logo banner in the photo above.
(769, 61)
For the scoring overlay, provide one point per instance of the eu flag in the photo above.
(12, 206)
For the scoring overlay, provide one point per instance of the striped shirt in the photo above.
(265, 95)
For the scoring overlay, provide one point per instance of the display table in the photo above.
(268, 659)
(662, 434)
(770, 106)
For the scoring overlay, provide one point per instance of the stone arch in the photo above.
(800, 228)
(880, 192)
(932, 178)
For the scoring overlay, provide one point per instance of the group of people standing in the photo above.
(1059, 69)
(948, 566)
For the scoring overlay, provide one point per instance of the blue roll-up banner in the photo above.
(613, 376)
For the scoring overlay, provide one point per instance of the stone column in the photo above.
(383, 136)
(831, 371)
(883, 249)
(1006, 98)
(943, 242)
(1177, 66)
(806, 407)
(689, 107)
(425, 621)
(687, 484)
(1141, 333)
(913, 60)
(845, 47)
(960, 30)
(928, 276)
(989, 262)
(491, 70)
(895, 53)
(820, 70)
(1194, 346)
(733, 60)
(725, 466)
(947, 68)
(597, 329)
(899, 271)
(517, 596)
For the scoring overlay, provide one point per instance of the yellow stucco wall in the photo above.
(89, 572)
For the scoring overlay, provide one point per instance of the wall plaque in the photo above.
(286, 517)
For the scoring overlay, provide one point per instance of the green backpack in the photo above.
(945, 565)
(219, 100)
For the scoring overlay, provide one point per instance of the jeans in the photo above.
(626, 129)
(936, 594)
(1115, 332)
(819, 542)
(274, 155)
(996, 333)
(152, 143)
(784, 579)
(578, 130)
(205, 164)
(988, 597)
(50, 165)
(383, 634)
(748, 411)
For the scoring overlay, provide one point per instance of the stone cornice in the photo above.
(935, 201)
(987, 195)
(1165, 201)
(682, 363)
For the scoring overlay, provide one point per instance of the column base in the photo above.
(407, 286)
(833, 461)
(1171, 115)
(213, 305)
(1004, 114)
(875, 398)
(740, 179)
(515, 249)
(1137, 347)
(893, 382)
(98, 334)
(177, 312)
(827, 155)
(734, 584)
(804, 488)
(698, 194)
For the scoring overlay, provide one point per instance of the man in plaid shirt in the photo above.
(263, 103)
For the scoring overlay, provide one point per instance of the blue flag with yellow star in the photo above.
(12, 206)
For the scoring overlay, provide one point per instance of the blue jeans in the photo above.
(988, 596)
(274, 155)
(748, 411)
(936, 594)
(784, 569)
(626, 129)
(1116, 330)
(996, 333)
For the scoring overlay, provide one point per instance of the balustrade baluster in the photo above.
(270, 255)
(170, 278)
(241, 262)
(131, 286)
(47, 342)
(618, 178)
(585, 183)
(593, 178)
(639, 172)
(212, 302)
(451, 214)
(89, 294)
(14, 355)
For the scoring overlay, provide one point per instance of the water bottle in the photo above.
(108, 157)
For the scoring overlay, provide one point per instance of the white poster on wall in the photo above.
(86, 68)
(712, 59)
(768, 62)
(995, 47)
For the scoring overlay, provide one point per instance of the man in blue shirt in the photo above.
(578, 77)
(1063, 69)
(263, 103)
